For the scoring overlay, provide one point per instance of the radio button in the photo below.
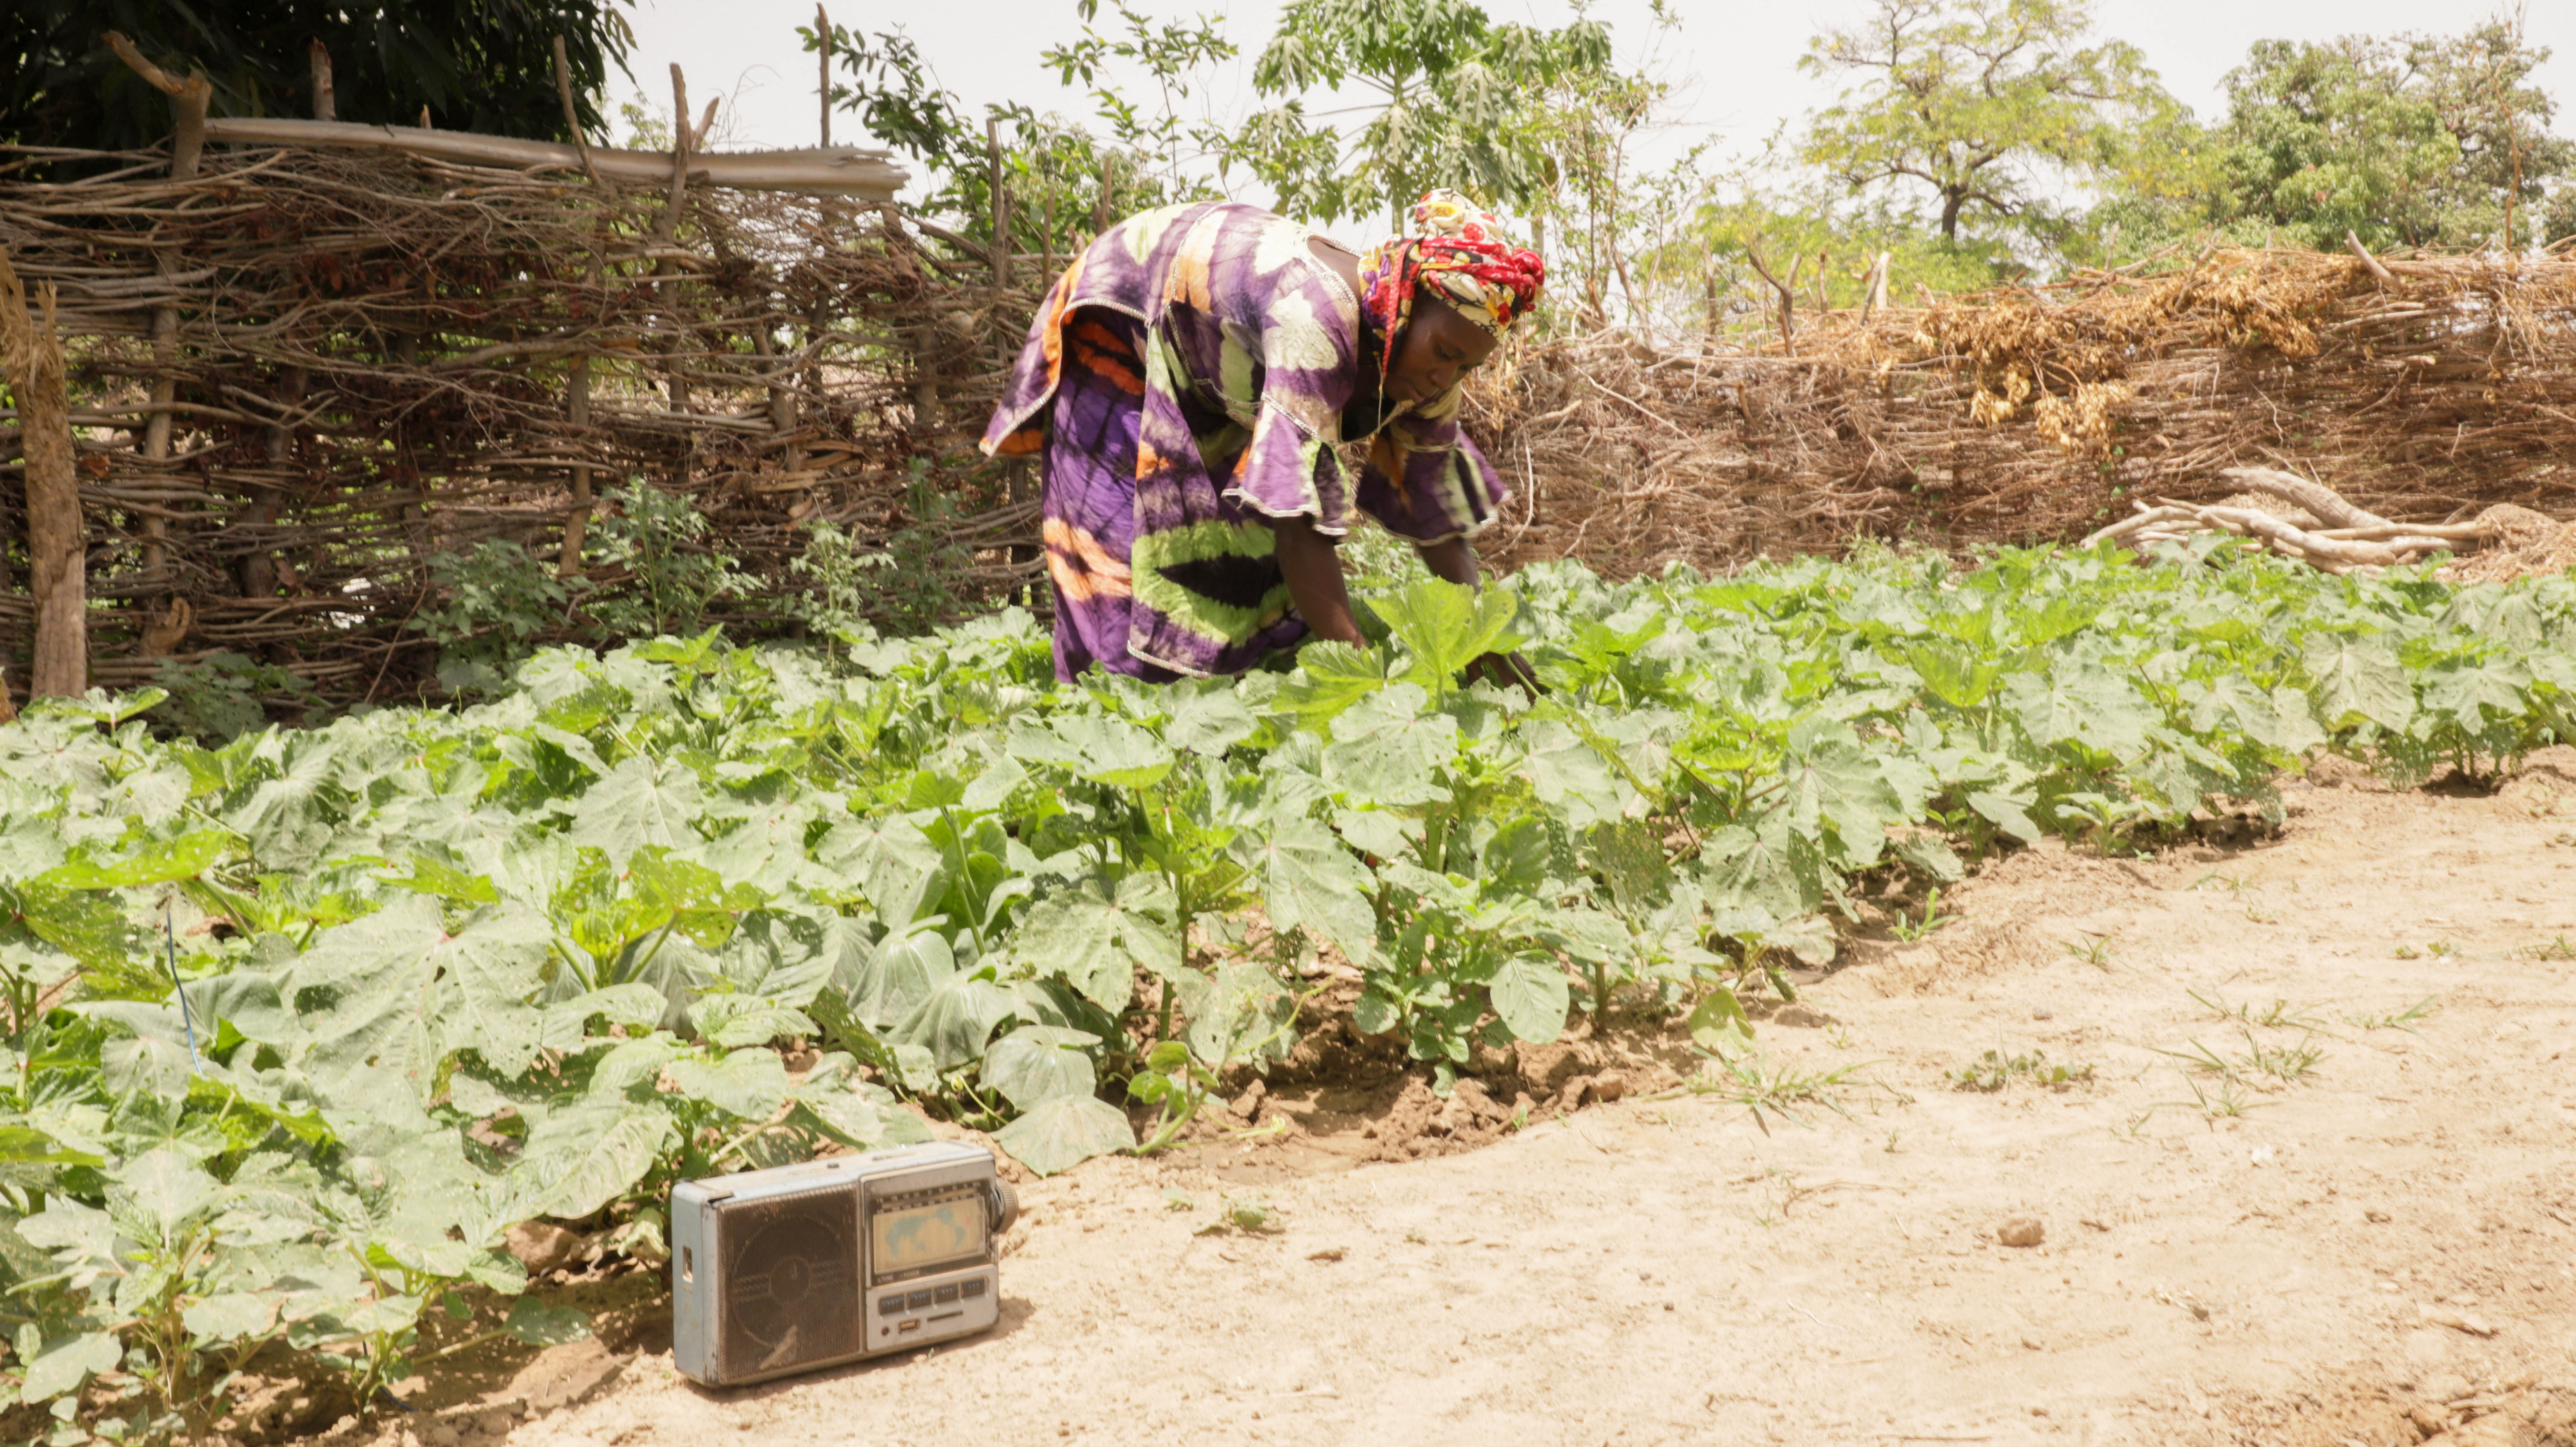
(890, 1305)
(945, 1294)
(972, 1289)
(919, 1299)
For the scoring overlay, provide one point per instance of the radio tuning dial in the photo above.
(1005, 1206)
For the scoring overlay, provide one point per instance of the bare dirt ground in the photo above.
(2373, 1246)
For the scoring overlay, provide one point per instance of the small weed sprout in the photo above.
(1250, 1216)
(2409, 952)
(2223, 1102)
(1910, 931)
(2401, 1020)
(2281, 1014)
(2442, 949)
(1748, 1079)
(2093, 950)
(1994, 1070)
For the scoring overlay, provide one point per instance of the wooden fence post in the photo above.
(823, 55)
(1001, 207)
(188, 100)
(576, 412)
(56, 541)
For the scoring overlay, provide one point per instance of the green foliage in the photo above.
(225, 694)
(1453, 101)
(662, 571)
(908, 586)
(484, 65)
(493, 604)
(2405, 141)
(449, 970)
(1980, 101)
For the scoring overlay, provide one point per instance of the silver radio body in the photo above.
(806, 1266)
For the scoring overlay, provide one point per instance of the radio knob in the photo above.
(1005, 1206)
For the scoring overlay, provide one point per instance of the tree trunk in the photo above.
(34, 356)
(1950, 204)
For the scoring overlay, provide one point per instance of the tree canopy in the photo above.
(2408, 140)
(1449, 99)
(1977, 100)
(479, 65)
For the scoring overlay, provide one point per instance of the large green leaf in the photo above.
(156, 862)
(1531, 995)
(747, 1084)
(63, 1365)
(1037, 1063)
(2358, 679)
(1445, 626)
(1064, 1131)
(1101, 749)
(642, 801)
(955, 1021)
(1387, 751)
(402, 993)
(1311, 880)
(1098, 942)
(581, 1159)
(898, 975)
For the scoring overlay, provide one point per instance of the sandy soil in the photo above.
(2378, 1251)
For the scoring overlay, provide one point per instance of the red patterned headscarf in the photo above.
(1459, 253)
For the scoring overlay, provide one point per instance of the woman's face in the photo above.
(1439, 347)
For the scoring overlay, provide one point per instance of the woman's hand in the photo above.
(1314, 574)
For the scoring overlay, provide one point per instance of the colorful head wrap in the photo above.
(1458, 253)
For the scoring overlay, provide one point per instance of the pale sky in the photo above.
(1734, 64)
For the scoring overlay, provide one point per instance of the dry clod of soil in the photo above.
(2043, 1013)
(1609, 1085)
(1805, 1017)
(2458, 1321)
(542, 1246)
(2022, 1231)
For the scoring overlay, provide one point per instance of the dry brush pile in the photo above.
(2423, 389)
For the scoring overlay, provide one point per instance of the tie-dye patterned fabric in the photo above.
(1184, 381)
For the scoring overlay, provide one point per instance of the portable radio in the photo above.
(806, 1266)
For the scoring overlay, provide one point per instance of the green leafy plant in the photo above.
(657, 572)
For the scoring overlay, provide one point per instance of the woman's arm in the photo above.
(1452, 559)
(1314, 574)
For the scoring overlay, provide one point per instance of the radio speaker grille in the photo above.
(791, 1281)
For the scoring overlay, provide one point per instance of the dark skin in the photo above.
(1438, 347)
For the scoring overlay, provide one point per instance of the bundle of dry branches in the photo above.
(2426, 387)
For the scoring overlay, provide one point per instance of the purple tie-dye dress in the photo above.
(1185, 381)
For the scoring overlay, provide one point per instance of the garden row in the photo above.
(440, 972)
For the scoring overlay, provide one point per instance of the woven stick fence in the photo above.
(298, 377)
(2423, 388)
(303, 376)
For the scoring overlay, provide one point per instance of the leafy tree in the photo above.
(2406, 140)
(479, 65)
(1062, 178)
(1171, 56)
(1453, 100)
(1979, 100)
(897, 95)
